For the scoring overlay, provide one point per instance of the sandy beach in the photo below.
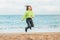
(30, 36)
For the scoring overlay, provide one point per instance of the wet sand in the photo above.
(30, 36)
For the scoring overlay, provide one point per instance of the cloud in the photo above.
(39, 6)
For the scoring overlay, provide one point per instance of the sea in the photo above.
(42, 23)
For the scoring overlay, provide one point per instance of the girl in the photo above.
(28, 16)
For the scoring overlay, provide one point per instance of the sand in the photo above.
(30, 36)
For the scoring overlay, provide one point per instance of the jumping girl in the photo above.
(28, 16)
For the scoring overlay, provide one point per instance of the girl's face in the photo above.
(30, 8)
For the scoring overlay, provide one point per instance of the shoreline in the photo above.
(30, 36)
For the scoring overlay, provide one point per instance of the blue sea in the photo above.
(10, 22)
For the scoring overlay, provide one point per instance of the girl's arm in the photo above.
(24, 17)
(32, 15)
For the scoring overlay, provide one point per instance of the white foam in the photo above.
(34, 29)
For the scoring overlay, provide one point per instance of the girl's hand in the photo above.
(22, 20)
(31, 16)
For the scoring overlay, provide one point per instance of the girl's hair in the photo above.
(27, 7)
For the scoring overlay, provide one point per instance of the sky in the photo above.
(40, 7)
